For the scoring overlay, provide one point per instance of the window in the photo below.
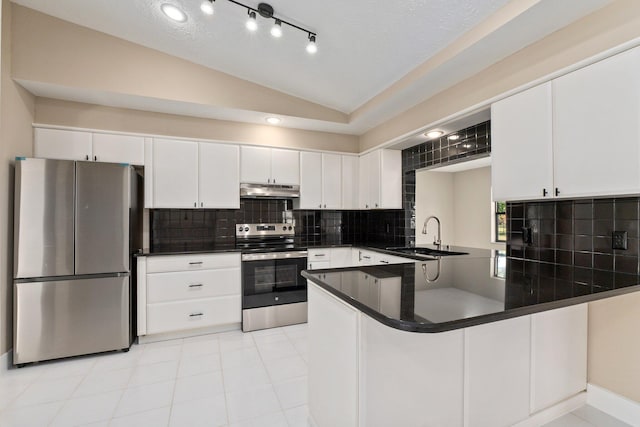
(501, 221)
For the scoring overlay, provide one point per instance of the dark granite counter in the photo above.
(186, 249)
(460, 291)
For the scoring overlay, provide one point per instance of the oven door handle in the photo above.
(274, 255)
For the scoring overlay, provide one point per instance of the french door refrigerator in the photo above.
(72, 240)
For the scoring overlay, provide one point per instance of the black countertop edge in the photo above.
(467, 322)
(471, 252)
(148, 252)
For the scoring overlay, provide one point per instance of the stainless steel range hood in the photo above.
(269, 191)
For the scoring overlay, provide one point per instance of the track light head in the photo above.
(252, 24)
(276, 30)
(207, 7)
(312, 47)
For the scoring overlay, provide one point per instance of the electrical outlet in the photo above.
(619, 240)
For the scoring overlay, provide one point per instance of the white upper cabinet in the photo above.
(331, 181)
(310, 181)
(573, 137)
(349, 182)
(219, 176)
(62, 144)
(320, 181)
(380, 174)
(596, 143)
(188, 174)
(285, 167)
(78, 145)
(521, 150)
(175, 174)
(261, 165)
(118, 148)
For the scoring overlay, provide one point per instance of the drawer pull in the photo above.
(384, 262)
(366, 257)
(196, 285)
(196, 314)
(319, 254)
(195, 263)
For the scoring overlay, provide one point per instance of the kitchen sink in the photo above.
(425, 251)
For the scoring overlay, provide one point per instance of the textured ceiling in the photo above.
(364, 45)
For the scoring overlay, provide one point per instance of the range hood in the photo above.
(271, 191)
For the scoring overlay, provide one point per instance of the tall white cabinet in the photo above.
(320, 181)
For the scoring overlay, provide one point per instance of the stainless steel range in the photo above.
(273, 291)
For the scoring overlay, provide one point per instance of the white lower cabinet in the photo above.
(496, 374)
(558, 355)
(178, 293)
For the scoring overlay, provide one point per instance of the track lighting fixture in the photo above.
(266, 11)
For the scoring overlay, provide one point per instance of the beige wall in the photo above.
(51, 51)
(434, 197)
(614, 345)
(65, 113)
(472, 209)
(604, 29)
(462, 201)
(16, 116)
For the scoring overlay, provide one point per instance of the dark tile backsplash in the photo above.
(473, 141)
(189, 228)
(576, 235)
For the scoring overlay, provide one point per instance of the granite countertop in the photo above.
(186, 249)
(461, 291)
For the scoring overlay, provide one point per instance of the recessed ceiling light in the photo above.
(274, 120)
(207, 7)
(173, 12)
(454, 137)
(433, 134)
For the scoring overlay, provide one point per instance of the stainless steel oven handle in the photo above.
(274, 255)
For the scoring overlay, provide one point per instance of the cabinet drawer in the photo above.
(165, 263)
(201, 313)
(164, 287)
(319, 255)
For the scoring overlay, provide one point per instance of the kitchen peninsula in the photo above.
(447, 342)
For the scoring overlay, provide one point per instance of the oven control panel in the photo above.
(264, 230)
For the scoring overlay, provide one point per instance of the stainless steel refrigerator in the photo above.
(73, 239)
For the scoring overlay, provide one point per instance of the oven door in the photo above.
(273, 279)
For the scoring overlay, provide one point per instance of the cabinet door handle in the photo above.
(366, 206)
(384, 262)
(195, 263)
(544, 192)
(376, 205)
(269, 180)
(366, 257)
(320, 205)
(195, 204)
(557, 191)
(202, 204)
(95, 158)
(86, 157)
(196, 314)
(195, 285)
(274, 180)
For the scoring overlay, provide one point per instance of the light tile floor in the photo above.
(233, 379)
(230, 379)
(587, 416)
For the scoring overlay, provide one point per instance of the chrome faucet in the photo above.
(436, 240)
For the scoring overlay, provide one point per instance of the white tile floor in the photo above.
(230, 379)
(258, 379)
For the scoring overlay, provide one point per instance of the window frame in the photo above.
(497, 213)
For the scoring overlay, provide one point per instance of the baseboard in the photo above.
(613, 404)
(147, 339)
(554, 412)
